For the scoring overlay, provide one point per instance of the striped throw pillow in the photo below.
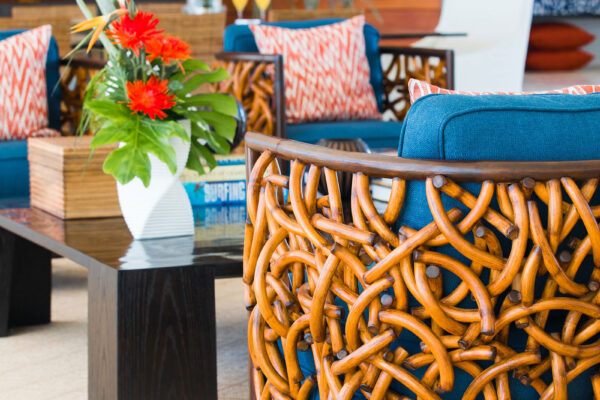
(23, 94)
(326, 70)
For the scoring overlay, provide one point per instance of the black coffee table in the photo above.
(151, 307)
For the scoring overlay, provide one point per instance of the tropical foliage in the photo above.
(147, 86)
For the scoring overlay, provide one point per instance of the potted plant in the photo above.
(145, 102)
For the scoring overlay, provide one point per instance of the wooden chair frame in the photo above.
(305, 252)
(257, 81)
(75, 77)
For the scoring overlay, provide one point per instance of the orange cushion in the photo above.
(555, 36)
(561, 60)
(23, 98)
(418, 89)
(326, 70)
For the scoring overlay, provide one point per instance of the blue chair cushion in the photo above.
(550, 127)
(239, 38)
(14, 169)
(13, 150)
(52, 79)
(553, 127)
(377, 134)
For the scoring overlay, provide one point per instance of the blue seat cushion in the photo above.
(13, 150)
(239, 38)
(52, 79)
(377, 134)
(14, 169)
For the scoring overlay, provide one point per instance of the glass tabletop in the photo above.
(218, 239)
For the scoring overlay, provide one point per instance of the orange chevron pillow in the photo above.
(23, 94)
(418, 89)
(326, 70)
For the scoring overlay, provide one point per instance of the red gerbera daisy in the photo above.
(150, 98)
(133, 33)
(168, 48)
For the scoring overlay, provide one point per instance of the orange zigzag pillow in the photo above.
(418, 89)
(326, 70)
(23, 94)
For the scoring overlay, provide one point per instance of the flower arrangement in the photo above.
(145, 89)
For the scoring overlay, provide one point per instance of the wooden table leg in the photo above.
(25, 282)
(152, 334)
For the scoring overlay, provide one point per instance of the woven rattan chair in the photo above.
(343, 301)
(257, 81)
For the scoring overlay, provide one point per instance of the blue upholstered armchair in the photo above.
(391, 68)
(14, 167)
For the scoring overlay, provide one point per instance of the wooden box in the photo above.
(65, 181)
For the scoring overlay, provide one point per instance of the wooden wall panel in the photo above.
(397, 15)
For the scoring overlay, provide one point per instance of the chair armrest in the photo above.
(257, 83)
(74, 79)
(400, 64)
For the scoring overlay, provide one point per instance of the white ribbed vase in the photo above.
(163, 208)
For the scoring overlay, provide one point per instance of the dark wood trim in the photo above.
(418, 35)
(83, 62)
(278, 79)
(418, 169)
(25, 282)
(152, 334)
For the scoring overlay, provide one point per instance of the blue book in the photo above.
(230, 159)
(206, 193)
(221, 214)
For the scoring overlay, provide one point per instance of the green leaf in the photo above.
(199, 79)
(175, 85)
(190, 66)
(208, 156)
(199, 132)
(128, 162)
(193, 161)
(215, 142)
(168, 128)
(223, 125)
(109, 109)
(222, 103)
(112, 133)
(151, 141)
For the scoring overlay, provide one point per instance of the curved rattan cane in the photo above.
(305, 254)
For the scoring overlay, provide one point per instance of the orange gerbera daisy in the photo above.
(133, 33)
(150, 98)
(168, 48)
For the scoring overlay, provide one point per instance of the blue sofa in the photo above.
(14, 168)
(376, 133)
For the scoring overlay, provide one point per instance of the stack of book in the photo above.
(381, 188)
(225, 184)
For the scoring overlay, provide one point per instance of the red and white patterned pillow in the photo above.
(326, 70)
(23, 94)
(418, 89)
